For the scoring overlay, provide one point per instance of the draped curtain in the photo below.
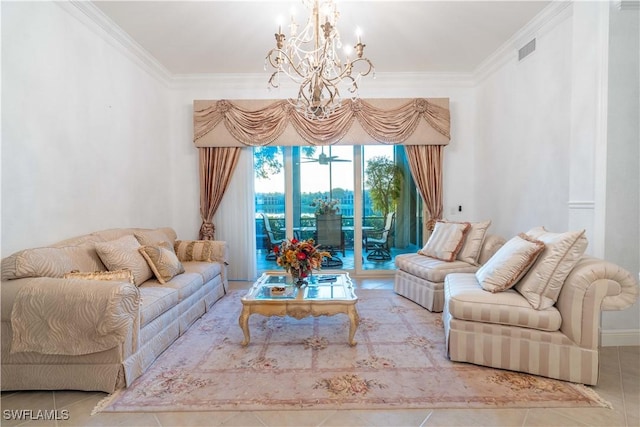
(216, 168)
(225, 123)
(425, 163)
(422, 125)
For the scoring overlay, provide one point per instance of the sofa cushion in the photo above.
(466, 300)
(123, 254)
(541, 286)
(509, 263)
(51, 261)
(162, 260)
(431, 269)
(156, 299)
(473, 240)
(207, 270)
(117, 275)
(446, 240)
(186, 284)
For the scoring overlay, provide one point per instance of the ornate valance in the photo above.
(416, 121)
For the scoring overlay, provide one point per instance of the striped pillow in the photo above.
(509, 263)
(446, 240)
(195, 250)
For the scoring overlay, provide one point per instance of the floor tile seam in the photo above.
(622, 394)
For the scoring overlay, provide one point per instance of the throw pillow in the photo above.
(121, 254)
(194, 250)
(509, 263)
(163, 261)
(470, 251)
(116, 276)
(153, 237)
(543, 283)
(446, 240)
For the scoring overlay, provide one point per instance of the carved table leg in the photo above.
(244, 324)
(354, 321)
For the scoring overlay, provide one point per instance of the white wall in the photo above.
(84, 132)
(522, 156)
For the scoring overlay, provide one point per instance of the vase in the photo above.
(299, 277)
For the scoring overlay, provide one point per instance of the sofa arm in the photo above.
(71, 316)
(592, 286)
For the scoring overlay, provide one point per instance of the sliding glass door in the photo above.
(379, 217)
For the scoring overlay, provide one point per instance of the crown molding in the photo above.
(92, 17)
(544, 21)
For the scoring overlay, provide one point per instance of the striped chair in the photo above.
(502, 330)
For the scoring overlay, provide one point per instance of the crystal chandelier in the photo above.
(310, 58)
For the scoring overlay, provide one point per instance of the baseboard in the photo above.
(619, 337)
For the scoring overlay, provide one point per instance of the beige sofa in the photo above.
(86, 334)
(543, 319)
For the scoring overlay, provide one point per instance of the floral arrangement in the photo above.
(299, 257)
(324, 206)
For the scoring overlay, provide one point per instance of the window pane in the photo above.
(270, 203)
(325, 173)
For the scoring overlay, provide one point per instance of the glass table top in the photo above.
(273, 286)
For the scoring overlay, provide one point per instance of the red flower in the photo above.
(276, 249)
(294, 241)
(301, 256)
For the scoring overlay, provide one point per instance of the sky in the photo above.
(315, 177)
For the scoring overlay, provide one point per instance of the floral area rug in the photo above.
(399, 362)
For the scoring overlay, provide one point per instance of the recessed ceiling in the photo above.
(205, 37)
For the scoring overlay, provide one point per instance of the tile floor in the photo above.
(619, 384)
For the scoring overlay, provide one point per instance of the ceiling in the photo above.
(204, 37)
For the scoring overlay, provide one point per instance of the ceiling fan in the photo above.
(324, 159)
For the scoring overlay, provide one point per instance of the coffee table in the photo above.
(324, 295)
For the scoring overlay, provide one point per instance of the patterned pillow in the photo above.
(153, 237)
(195, 250)
(509, 263)
(163, 261)
(121, 254)
(543, 283)
(116, 276)
(470, 251)
(446, 240)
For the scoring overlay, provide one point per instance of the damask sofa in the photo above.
(95, 311)
(535, 307)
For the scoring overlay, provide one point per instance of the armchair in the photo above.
(329, 237)
(274, 238)
(378, 240)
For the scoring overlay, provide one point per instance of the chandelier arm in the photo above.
(310, 59)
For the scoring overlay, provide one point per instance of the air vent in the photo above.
(527, 50)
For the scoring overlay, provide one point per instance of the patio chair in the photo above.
(330, 238)
(377, 241)
(274, 238)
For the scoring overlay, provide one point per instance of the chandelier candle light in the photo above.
(310, 58)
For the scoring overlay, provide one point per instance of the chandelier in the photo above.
(310, 58)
